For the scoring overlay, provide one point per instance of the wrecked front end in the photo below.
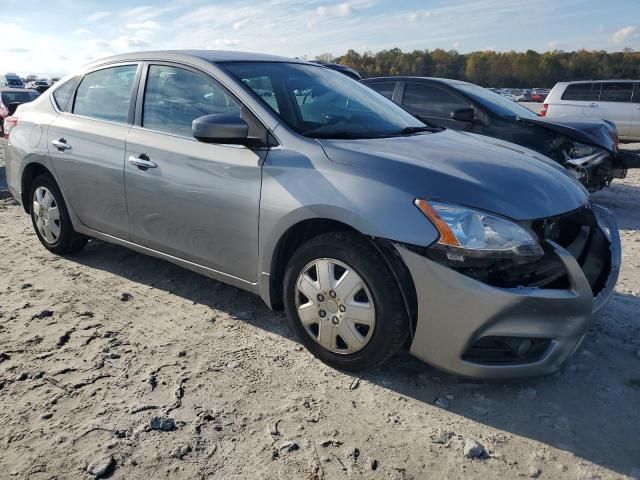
(510, 319)
(588, 148)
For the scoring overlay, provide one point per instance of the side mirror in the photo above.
(464, 115)
(221, 128)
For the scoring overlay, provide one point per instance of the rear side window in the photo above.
(384, 88)
(616, 92)
(583, 92)
(106, 94)
(63, 94)
(432, 101)
(174, 97)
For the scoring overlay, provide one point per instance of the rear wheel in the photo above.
(343, 302)
(50, 218)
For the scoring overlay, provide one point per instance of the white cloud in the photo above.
(146, 25)
(415, 17)
(339, 10)
(95, 17)
(226, 42)
(81, 31)
(623, 35)
(456, 44)
(553, 44)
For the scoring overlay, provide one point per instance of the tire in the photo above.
(345, 253)
(54, 231)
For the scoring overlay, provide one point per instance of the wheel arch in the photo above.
(306, 229)
(30, 172)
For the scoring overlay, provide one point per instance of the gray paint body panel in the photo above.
(221, 210)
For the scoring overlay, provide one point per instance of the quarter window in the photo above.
(616, 92)
(174, 97)
(582, 92)
(384, 88)
(106, 94)
(431, 101)
(62, 95)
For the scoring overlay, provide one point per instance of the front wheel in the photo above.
(343, 303)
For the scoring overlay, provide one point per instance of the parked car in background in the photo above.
(539, 94)
(348, 71)
(615, 100)
(368, 226)
(10, 98)
(38, 85)
(523, 96)
(587, 147)
(11, 80)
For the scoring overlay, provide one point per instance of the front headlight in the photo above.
(466, 232)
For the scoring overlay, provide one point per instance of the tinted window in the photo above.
(431, 101)
(174, 97)
(62, 95)
(616, 92)
(18, 97)
(584, 92)
(321, 103)
(495, 102)
(384, 88)
(106, 94)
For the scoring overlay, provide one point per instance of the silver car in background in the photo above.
(299, 184)
(615, 100)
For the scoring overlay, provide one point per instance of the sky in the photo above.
(54, 37)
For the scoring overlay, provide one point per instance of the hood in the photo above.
(466, 169)
(592, 131)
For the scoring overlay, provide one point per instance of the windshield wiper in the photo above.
(425, 128)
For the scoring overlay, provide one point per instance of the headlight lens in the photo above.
(466, 232)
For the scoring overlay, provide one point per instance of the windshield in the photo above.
(321, 103)
(14, 82)
(496, 103)
(18, 97)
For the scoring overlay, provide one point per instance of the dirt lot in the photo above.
(110, 356)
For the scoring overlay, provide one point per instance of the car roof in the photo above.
(17, 90)
(214, 56)
(599, 81)
(448, 81)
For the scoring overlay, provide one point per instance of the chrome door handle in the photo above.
(142, 161)
(61, 145)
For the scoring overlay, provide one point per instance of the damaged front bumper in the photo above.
(462, 323)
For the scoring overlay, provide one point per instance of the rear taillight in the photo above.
(543, 110)
(9, 123)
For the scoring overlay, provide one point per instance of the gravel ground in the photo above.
(119, 365)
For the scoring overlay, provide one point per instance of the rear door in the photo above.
(195, 201)
(86, 145)
(434, 104)
(635, 126)
(577, 100)
(614, 104)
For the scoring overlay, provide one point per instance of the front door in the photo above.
(434, 105)
(86, 147)
(195, 201)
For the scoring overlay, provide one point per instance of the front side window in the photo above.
(174, 97)
(582, 92)
(431, 101)
(321, 103)
(106, 94)
(384, 88)
(616, 92)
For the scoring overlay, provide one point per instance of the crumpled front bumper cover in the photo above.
(455, 310)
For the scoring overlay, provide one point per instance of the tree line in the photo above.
(497, 69)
